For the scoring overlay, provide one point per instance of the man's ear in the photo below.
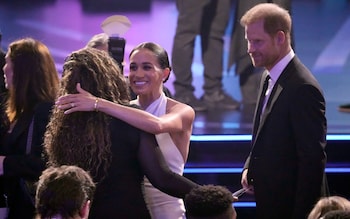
(85, 210)
(281, 37)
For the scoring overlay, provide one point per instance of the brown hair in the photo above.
(327, 204)
(275, 18)
(63, 191)
(35, 78)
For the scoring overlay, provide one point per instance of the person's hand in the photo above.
(82, 101)
(244, 182)
(235, 198)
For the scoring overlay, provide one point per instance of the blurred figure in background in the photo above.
(207, 19)
(32, 82)
(99, 41)
(2, 79)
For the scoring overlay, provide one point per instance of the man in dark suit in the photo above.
(285, 167)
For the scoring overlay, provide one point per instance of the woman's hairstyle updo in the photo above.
(158, 51)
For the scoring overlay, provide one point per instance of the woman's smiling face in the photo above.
(145, 76)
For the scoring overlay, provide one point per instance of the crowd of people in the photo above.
(80, 147)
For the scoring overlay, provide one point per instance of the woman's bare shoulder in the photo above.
(174, 103)
(174, 106)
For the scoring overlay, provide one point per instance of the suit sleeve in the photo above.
(309, 127)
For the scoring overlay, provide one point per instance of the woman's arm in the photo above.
(157, 171)
(180, 117)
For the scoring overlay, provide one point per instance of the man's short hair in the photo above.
(63, 191)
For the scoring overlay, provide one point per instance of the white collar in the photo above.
(276, 71)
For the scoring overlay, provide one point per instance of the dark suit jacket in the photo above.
(287, 160)
(18, 164)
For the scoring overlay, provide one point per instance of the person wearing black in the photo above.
(116, 154)
(32, 82)
(286, 164)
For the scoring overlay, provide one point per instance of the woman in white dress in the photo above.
(170, 120)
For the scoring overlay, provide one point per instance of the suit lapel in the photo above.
(277, 89)
(273, 97)
(21, 126)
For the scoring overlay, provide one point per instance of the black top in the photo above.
(135, 154)
(18, 165)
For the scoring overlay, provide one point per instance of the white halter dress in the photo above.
(161, 205)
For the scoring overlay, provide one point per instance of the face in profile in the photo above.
(8, 71)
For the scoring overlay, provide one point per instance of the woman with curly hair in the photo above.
(171, 121)
(115, 153)
(32, 82)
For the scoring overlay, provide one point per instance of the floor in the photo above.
(321, 28)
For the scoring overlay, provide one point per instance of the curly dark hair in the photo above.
(209, 201)
(83, 138)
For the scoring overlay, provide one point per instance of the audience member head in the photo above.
(327, 204)
(64, 192)
(337, 214)
(30, 76)
(99, 41)
(99, 74)
(209, 201)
